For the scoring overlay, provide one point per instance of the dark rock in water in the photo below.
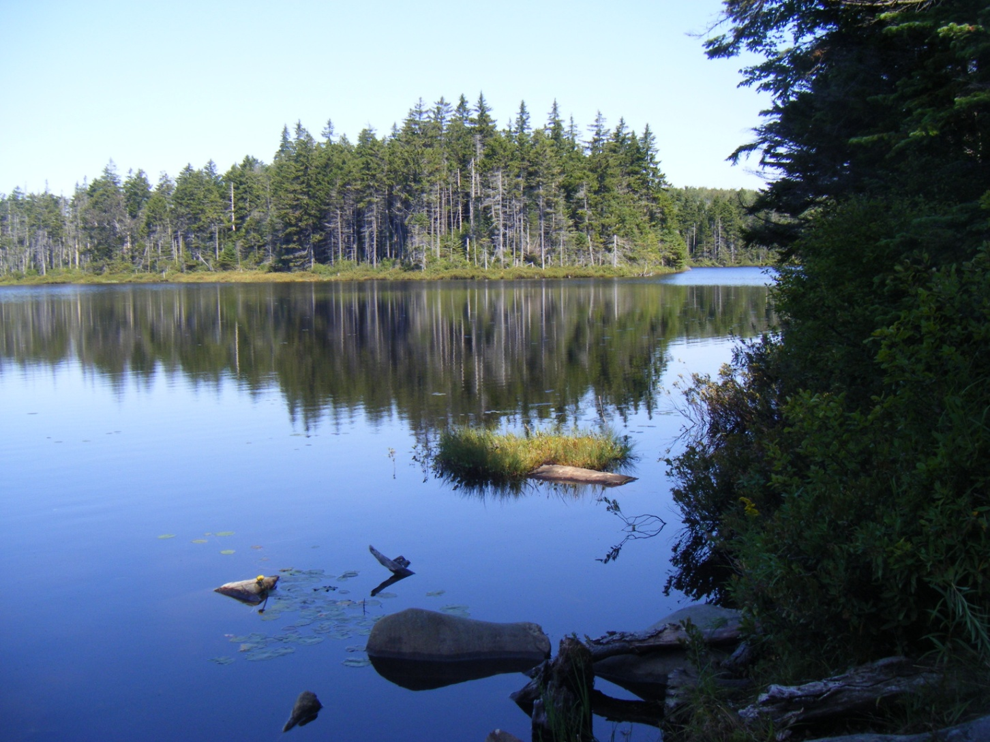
(306, 709)
(421, 649)
(417, 634)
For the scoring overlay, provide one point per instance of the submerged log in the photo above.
(837, 697)
(398, 566)
(251, 592)
(304, 711)
(558, 473)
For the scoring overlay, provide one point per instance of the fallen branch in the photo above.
(398, 566)
(833, 698)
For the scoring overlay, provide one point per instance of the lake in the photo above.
(160, 441)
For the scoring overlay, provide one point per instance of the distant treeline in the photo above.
(446, 189)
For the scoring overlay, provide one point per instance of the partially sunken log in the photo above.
(251, 592)
(558, 473)
(398, 566)
(837, 697)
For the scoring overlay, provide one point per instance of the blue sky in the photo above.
(158, 85)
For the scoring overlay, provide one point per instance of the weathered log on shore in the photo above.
(666, 636)
(837, 697)
(574, 474)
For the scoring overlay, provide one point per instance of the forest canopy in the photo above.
(446, 188)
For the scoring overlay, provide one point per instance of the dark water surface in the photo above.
(160, 441)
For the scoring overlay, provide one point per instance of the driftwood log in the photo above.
(398, 566)
(834, 698)
(667, 636)
(557, 473)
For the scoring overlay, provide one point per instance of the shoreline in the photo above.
(326, 274)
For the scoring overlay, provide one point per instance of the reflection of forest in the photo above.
(430, 353)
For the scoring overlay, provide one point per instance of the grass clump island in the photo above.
(486, 456)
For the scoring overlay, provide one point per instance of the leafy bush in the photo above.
(854, 529)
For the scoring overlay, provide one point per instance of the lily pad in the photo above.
(167, 535)
(224, 533)
(435, 593)
(387, 595)
(198, 540)
(222, 660)
(227, 551)
(456, 610)
(356, 662)
(268, 653)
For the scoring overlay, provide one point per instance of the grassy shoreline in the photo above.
(328, 274)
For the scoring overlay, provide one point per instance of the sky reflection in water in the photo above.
(269, 414)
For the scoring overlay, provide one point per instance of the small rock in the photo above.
(304, 711)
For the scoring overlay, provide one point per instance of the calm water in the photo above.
(266, 427)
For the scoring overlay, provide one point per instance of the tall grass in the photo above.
(472, 455)
(346, 271)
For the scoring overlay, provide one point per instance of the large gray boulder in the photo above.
(647, 675)
(421, 649)
(417, 634)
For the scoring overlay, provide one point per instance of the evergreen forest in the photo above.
(837, 487)
(446, 189)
